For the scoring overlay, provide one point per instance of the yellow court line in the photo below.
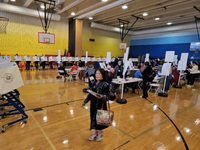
(47, 138)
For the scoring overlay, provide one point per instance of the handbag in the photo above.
(104, 117)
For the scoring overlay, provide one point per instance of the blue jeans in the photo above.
(167, 82)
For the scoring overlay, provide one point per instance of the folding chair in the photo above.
(62, 74)
(157, 88)
(74, 75)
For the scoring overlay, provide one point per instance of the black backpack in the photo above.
(151, 75)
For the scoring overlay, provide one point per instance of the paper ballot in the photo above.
(182, 65)
(126, 66)
(94, 93)
(166, 69)
(169, 56)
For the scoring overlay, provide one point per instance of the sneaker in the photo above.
(99, 137)
(92, 137)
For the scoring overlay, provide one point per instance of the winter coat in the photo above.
(95, 103)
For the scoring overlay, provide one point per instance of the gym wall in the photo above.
(105, 41)
(22, 36)
(156, 45)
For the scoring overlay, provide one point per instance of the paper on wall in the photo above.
(166, 69)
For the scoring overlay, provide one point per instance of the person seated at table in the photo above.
(74, 67)
(62, 70)
(80, 64)
(192, 76)
(138, 73)
(118, 69)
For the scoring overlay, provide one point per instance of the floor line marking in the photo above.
(47, 138)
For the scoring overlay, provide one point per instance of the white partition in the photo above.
(88, 59)
(99, 59)
(7, 57)
(103, 59)
(64, 59)
(17, 58)
(43, 58)
(93, 59)
(52, 58)
(10, 77)
(36, 58)
(82, 58)
(27, 58)
(76, 59)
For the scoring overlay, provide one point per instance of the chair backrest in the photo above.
(61, 72)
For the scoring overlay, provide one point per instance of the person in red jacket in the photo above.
(73, 68)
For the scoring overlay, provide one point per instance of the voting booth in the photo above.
(64, 59)
(99, 59)
(76, 59)
(27, 58)
(36, 58)
(52, 59)
(43, 58)
(10, 80)
(17, 58)
(7, 57)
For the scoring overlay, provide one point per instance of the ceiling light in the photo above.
(157, 18)
(145, 14)
(42, 6)
(169, 23)
(124, 7)
(121, 25)
(90, 18)
(12, 0)
(72, 13)
(104, 0)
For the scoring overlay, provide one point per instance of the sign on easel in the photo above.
(147, 57)
(182, 65)
(169, 56)
(184, 56)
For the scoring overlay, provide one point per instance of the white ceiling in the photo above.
(175, 11)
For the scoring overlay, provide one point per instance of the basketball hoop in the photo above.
(3, 24)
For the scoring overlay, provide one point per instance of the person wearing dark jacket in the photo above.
(145, 74)
(118, 70)
(101, 87)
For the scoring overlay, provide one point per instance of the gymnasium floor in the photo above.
(64, 123)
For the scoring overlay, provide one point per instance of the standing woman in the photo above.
(145, 74)
(99, 86)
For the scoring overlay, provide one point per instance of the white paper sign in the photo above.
(59, 58)
(10, 79)
(108, 58)
(126, 66)
(82, 58)
(86, 57)
(27, 58)
(147, 58)
(184, 56)
(182, 65)
(51, 58)
(166, 69)
(169, 56)
(101, 65)
(175, 59)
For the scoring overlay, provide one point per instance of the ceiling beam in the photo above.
(104, 8)
(27, 3)
(70, 6)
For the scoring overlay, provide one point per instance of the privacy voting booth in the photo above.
(10, 80)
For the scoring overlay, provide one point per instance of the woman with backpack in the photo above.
(145, 78)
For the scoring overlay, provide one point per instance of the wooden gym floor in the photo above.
(64, 124)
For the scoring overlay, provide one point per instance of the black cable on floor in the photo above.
(186, 146)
